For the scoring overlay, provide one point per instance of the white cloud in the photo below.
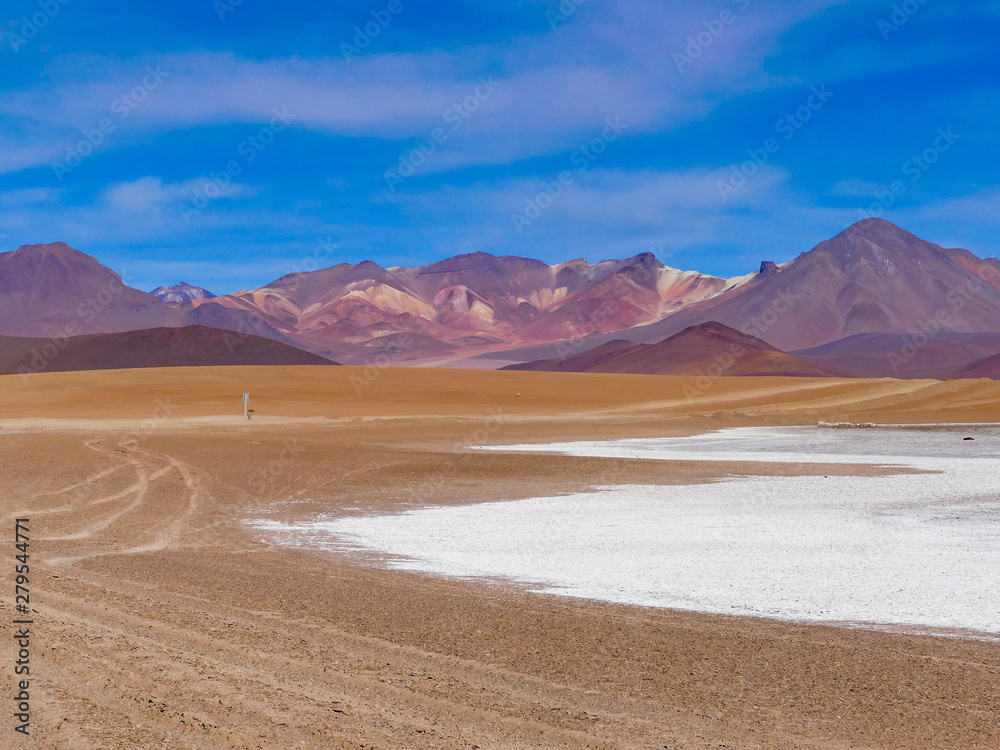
(151, 194)
(613, 213)
(16, 199)
(554, 88)
(141, 210)
(982, 206)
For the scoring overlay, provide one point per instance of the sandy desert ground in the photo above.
(163, 620)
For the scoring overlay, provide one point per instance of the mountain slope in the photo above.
(192, 346)
(469, 302)
(873, 277)
(988, 367)
(708, 349)
(895, 355)
(54, 291)
(48, 290)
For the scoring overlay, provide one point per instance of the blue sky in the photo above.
(226, 143)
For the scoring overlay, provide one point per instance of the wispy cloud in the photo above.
(553, 87)
(981, 207)
(696, 83)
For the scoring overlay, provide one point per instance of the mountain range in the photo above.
(874, 300)
(465, 305)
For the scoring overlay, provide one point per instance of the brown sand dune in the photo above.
(162, 620)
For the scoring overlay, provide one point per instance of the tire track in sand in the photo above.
(150, 467)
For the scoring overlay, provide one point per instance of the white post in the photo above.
(246, 405)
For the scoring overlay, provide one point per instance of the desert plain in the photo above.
(163, 619)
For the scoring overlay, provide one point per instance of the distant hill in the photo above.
(988, 367)
(191, 346)
(705, 349)
(913, 355)
(851, 301)
(53, 288)
(181, 294)
(873, 277)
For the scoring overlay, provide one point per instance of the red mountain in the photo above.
(871, 278)
(193, 346)
(48, 290)
(55, 291)
(468, 303)
(710, 349)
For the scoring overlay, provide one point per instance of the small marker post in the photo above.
(246, 405)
